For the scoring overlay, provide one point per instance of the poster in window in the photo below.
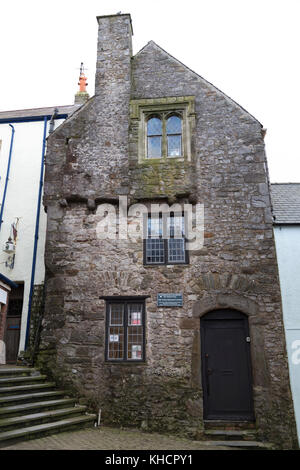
(113, 338)
(136, 351)
(136, 318)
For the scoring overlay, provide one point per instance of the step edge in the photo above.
(33, 416)
(45, 427)
(7, 409)
(230, 431)
(261, 445)
(31, 395)
(25, 387)
(22, 379)
(22, 407)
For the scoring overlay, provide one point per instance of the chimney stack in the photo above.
(114, 54)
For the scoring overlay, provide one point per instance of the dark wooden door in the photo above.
(12, 338)
(226, 366)
(13, 323)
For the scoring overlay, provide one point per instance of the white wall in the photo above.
(287, 239)
(21, 202)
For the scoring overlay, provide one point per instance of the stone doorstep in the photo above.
(246, 445)
(229, 425)
(249, 435)
(46, 428)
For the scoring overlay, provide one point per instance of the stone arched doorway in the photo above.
(226, 366)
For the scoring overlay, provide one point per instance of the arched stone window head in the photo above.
(154, 137)
(174, 134)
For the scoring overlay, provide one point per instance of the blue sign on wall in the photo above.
(169, 300)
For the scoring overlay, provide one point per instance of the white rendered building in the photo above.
(286, 210)
(23, 140)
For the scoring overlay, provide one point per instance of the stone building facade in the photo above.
(104, 333)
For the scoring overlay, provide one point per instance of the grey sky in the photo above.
(247, 48)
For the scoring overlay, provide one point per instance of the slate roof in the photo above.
(21, 114)
(286, 203)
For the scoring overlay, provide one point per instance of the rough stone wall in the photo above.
(37, 310)
(86, 164)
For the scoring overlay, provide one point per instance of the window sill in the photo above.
(158, 160)
(183, 265)
(125, 363)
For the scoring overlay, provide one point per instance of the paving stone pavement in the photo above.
(107, 438)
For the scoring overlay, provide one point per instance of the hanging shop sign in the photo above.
(169, 300)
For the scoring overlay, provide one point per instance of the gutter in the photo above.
(36, 235)
(7, 173)
(8, 281)
(32, 118)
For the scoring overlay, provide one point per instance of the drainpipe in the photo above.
(51, 125)
(7, 172)
(36, 235)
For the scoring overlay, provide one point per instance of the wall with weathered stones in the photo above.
(93, 158)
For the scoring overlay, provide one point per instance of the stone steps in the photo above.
(29, 397)
(31, 407)
(14, 371)
(46, 429)
(229, 425)
(10, 381)
(19, 410)
(239, 434)
(25, 388)
(245, 445)
(27, 420)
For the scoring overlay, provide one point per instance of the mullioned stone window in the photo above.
(163, 127)
(164, 239)
(164, 135)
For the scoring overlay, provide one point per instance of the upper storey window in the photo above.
(154, 137)
(164, 136)
(162, 128)
(174, 132)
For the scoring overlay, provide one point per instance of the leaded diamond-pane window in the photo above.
(154, 126)
(174, 125)
(174, 136)
(154, 137)
(164, 136)
(125, 331)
